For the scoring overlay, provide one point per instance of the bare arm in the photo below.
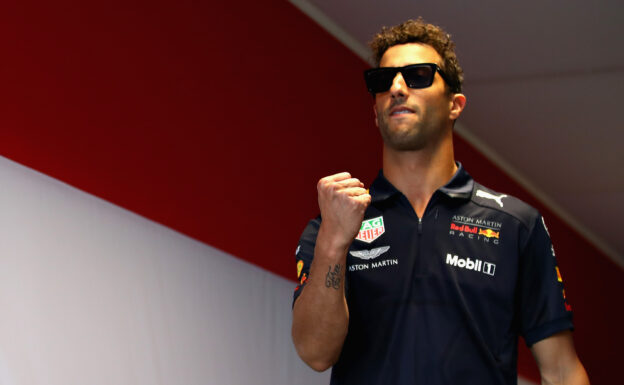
(557, 361)
(320, 314)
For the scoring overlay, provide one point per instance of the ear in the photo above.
(375, 111)
(458, 102)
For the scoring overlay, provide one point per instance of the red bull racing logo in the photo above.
(464, 228)
(489, 233)
(479, 229)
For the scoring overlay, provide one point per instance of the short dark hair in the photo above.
(418, 31)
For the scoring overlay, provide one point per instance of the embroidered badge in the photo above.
(497, 198)
(299, 268)
(371, 229)
(369, 254)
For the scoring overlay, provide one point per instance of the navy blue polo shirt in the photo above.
(442, 299)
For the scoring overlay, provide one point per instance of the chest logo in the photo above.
(471, 264)
(487, 195)
(371, 229)
(480, 229)
(369, 254)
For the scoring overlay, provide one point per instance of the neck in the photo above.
(418, 174)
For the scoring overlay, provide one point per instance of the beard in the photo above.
(412, 135)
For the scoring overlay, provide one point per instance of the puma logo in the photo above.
(487, 195)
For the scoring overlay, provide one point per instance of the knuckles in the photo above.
(330, 190)
(323, 184)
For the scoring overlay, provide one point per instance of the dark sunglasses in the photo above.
(415, 76)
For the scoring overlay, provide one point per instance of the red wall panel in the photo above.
(215, 120)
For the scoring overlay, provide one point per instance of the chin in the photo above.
(413, 143)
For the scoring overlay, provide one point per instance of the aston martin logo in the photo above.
(369, 254)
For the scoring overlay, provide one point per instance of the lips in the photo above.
(401, 110)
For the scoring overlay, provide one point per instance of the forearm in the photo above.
(558, 362)
(320, 314)
(574, 375)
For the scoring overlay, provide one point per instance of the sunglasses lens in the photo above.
(379, 79)
(418, 76)
(415, 76)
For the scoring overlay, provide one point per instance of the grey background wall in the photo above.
(91, 293)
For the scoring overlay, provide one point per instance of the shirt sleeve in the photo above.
(305, 253)
(544, 309)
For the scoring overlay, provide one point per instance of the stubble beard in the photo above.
(411, 137)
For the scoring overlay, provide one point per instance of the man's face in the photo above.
(410, 119)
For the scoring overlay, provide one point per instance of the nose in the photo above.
(398, 87)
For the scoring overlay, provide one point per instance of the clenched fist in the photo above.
(343, 201)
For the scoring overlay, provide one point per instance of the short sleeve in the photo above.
(544, 308)
(305, 253)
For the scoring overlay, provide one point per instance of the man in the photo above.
(430, 277)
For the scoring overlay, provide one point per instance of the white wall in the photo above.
(93, 294)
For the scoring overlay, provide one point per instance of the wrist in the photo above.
(332, 244)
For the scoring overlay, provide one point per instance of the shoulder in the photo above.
(309, 234)
(312, 228)
(505, 205)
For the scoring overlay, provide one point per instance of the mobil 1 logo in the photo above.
(471, 264)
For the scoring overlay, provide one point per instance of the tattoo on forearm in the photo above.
(332, 279)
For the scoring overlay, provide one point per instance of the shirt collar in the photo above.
(460, 186)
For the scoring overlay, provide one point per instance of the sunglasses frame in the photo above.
(435, 68)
